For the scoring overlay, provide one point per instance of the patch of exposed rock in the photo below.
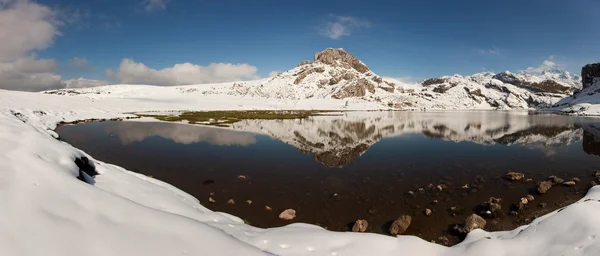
(400, 225)
(357, 89)
(303, 74)
(544, 86)
(340, 58)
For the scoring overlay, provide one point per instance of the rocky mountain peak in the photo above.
(589, 74)
(340, 58)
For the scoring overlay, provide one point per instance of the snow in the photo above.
(585, 103)
(48, 211)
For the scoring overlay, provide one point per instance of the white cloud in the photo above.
(274, 73)
(79, 63)
(27, 27)
(131, 132)
(549, 63)
(154, 5)
(340, 26)
(131, 72)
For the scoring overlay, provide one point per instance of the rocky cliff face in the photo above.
(589, 74)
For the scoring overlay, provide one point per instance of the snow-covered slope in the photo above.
(504, 90)
(339, 80)
(47, 210)
(586, 101)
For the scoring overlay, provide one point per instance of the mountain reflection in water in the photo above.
(336, 141)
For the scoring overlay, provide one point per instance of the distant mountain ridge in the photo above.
(336, 75)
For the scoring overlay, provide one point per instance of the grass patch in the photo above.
(226, 118)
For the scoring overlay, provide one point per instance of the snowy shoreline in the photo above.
(124, 213)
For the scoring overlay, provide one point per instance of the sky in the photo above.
(47, 43)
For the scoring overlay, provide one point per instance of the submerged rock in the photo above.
(493, 206)
(556, 180)
(515, 176)
(360, 226)
(400, 225)
(230, 201)
(544, 186)
(427, 212)
(288, 214)
(530, 198)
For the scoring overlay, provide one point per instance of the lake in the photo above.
(375, 166)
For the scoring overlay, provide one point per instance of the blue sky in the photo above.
(409, 39)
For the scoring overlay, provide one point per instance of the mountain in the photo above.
(587, 100)
(338, 80)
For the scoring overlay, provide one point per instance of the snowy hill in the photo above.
(586, 101)
(504, 90)
(338, 80)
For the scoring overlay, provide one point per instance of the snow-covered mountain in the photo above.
(586, 101)
(341, 80)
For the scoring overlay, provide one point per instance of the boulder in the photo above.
(288, 214)
(400, 225)
(544, 186)
(569, 183)
(471, 223)
(360, 226)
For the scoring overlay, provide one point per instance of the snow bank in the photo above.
(48, 211)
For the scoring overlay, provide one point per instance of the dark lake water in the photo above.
(334, 170)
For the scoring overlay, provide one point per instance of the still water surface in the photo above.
(334, 170)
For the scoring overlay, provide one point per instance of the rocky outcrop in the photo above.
(340, 58)
(589, 74)
(358, 89)
(304, 73)
(548, 86)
